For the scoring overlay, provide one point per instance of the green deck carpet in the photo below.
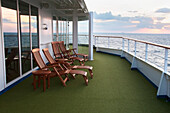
(115, 88)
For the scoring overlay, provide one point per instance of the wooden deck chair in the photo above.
(67, 53)
(72, 72)
(43, 66)
(58, 55)
(63, 48)
(65, 64)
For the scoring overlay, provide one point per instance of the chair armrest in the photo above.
(51, 65)
(68, 51)
(41, 72)
(73, 49)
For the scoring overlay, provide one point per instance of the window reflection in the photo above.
(54, 29)
(9, 26)
(25, 37)
(34, 29)
(28, 26)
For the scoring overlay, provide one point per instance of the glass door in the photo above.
(10, 34)
(20, 33)
(25, 37)
(34, 31)
(63, 31)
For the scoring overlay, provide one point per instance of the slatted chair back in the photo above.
(63, 49)
(56, 49)
(52, 61)
(48, 56)
(62, 46)
(38, 58)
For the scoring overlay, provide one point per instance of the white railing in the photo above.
(149, 52)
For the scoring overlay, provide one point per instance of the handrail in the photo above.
(150, 43)
(108, 36)
(135, 44)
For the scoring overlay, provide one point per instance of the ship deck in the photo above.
(115, 88)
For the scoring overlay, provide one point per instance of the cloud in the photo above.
(160, 18)
(126, 24)
(104, 16)
(5, 20)
(132, 11)
(163, 10)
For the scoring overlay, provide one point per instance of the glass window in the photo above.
(54, 29)
(34, 30)
(25, 37)
(28, 19)
(9, 26)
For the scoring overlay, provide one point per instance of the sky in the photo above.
(130, 16)
(113, 16)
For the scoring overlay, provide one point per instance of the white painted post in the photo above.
(19, 37)
(163, 88)
(75, 30)
(128, 46)
(123, 44)
(166, 60)
(146, 52)
(91, 36)
(134, 62)
(95, 40)
(108, 42)
(2, 56)
(61, 32)
(135, 48)
(57, 29)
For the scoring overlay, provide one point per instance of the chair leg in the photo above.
(73, 75)
(63, 81)
(81, 63)
(91, 73)
(67, 77)
(86, 80)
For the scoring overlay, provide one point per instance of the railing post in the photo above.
(128, 46)
(135, 48)
(146, 52)
(166, 60)
(96, 41)
(108, 42)
(123, 44)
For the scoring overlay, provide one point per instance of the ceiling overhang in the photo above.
(67, 8)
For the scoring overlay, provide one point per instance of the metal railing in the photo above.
(147, 51)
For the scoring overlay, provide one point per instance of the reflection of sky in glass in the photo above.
(9, 19)
(24, 23)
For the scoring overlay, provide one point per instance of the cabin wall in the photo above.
(45, 37)
(2, 76)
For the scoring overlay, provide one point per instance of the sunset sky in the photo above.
(114, 16)
(130, 16)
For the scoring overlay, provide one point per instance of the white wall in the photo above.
(46, 36)
(2, 76)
